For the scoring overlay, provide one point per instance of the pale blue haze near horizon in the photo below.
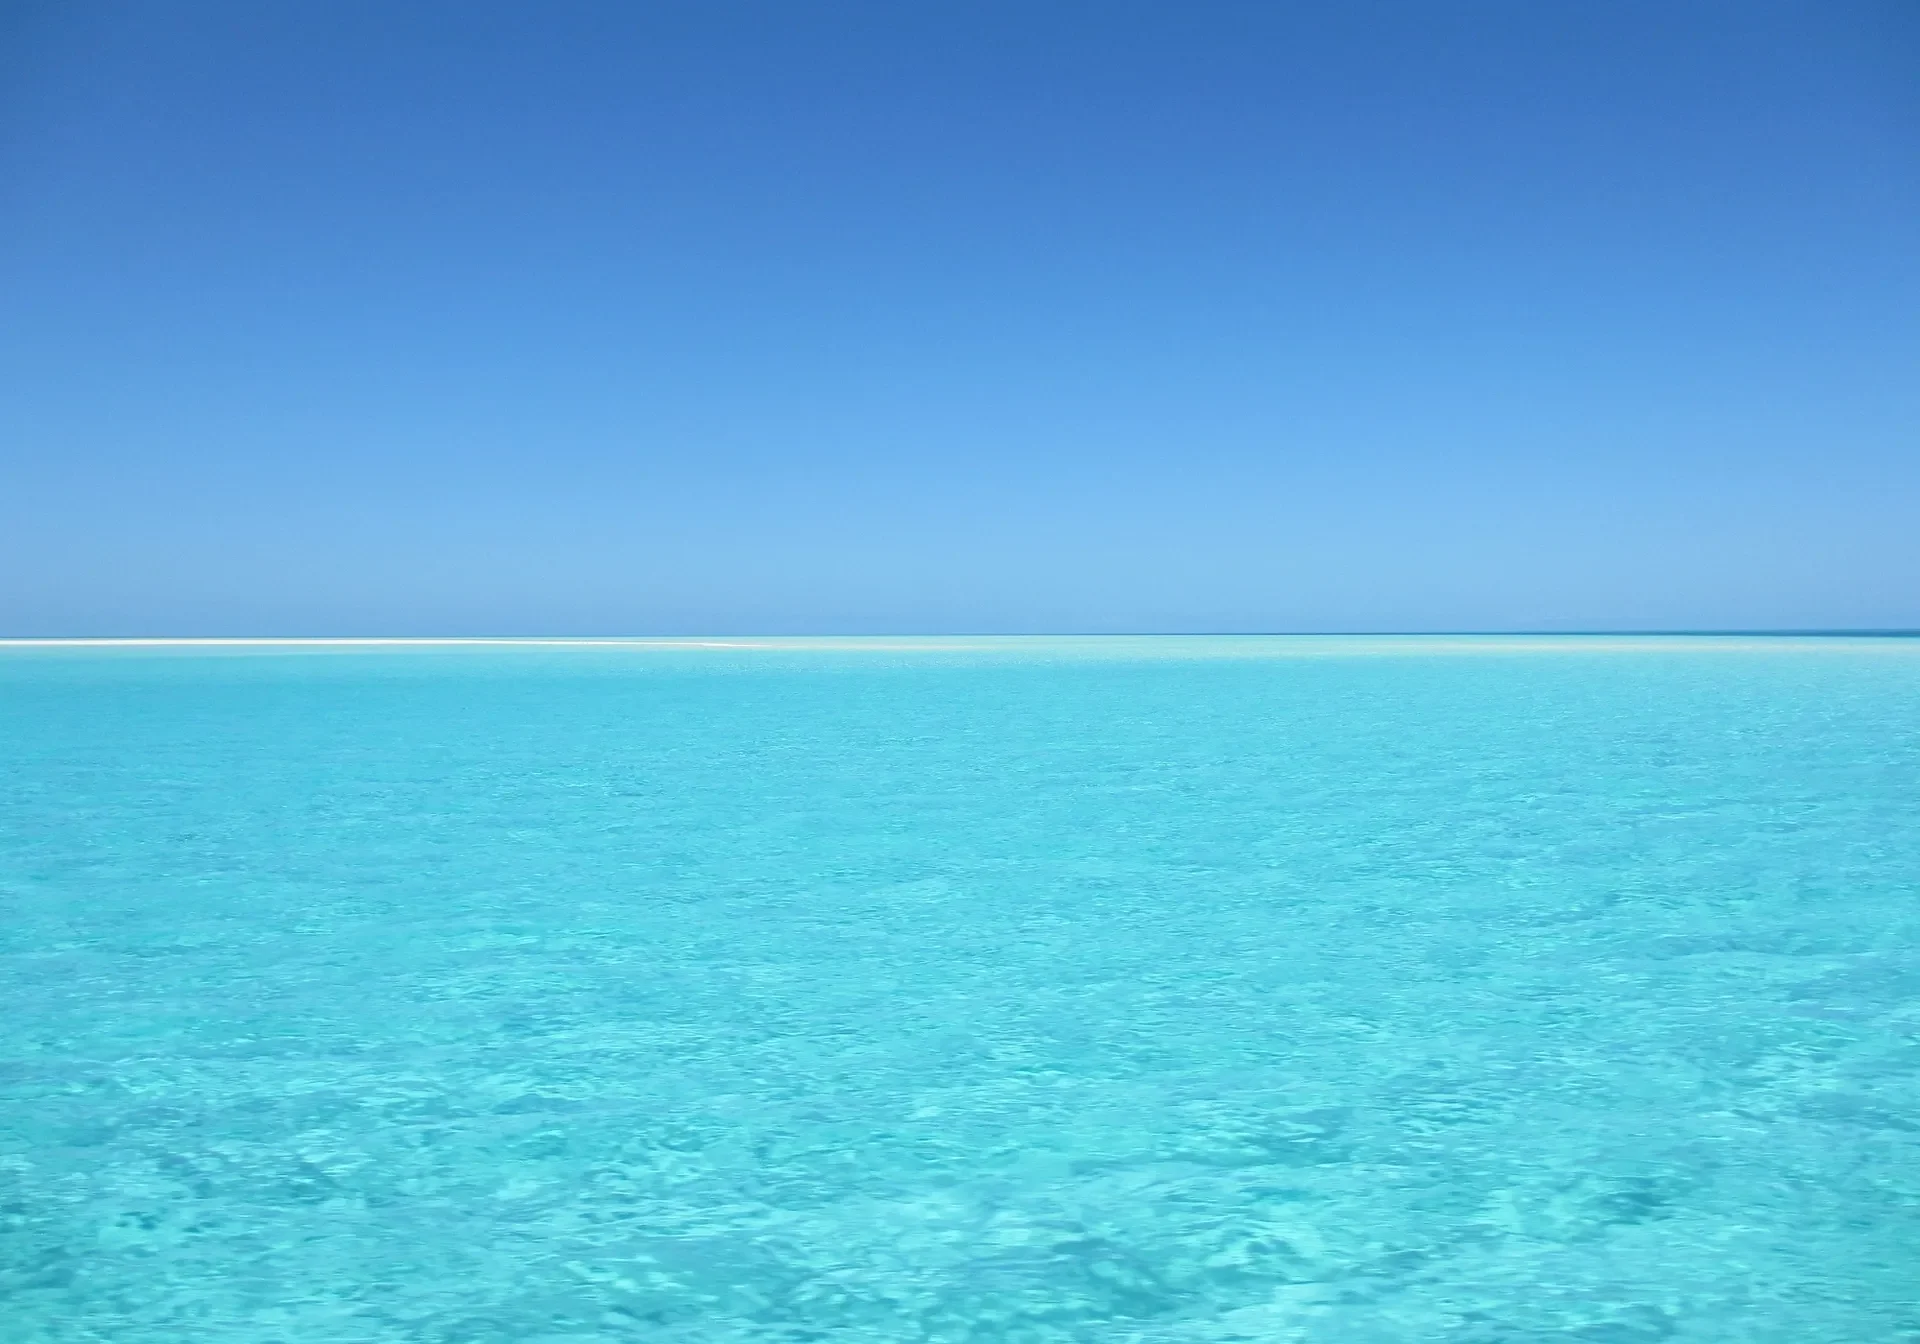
(605, 318)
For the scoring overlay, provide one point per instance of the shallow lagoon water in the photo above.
(1158, 991)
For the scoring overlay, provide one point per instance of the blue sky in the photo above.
(338, 318)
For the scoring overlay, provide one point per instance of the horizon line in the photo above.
(746, 641)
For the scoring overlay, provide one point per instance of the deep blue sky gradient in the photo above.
(340, 318)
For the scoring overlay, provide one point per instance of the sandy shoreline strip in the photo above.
(1095, 646)
(353, 641)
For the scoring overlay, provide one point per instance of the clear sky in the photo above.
(327, 317)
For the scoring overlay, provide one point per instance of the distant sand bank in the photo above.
(1065, 646)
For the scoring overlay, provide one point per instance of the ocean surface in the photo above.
(1347, 990)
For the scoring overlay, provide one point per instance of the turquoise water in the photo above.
(1269, 990)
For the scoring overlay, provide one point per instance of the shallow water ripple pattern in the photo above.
(496, 996)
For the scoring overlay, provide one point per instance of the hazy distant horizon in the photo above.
(744, 639)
